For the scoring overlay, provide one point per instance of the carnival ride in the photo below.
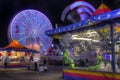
(96, 36)
(28, 28)
(77, 11)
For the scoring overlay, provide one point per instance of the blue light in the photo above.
(78, 3)
(84, 9)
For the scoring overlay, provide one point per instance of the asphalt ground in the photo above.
(53, 73)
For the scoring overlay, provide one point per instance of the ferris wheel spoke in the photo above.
(38, 21)
(21, 23)
(25, 20)
(44, 42)
(21, 39)
(46, 25)
(34, 18)
(43, 28)
(22, 33)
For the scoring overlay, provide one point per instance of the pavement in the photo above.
(53, 73)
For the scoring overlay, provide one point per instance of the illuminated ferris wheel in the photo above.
(29, 27)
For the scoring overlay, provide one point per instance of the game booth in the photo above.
(16, 55)
(91, 48)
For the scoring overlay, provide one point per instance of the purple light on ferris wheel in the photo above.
(29, 27)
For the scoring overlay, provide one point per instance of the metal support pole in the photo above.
(63, 66)
(112, 46)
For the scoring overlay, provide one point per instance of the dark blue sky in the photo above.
(51, 8)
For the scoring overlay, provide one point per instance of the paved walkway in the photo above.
(53, 73)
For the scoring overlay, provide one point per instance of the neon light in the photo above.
(78, 3)
(32, 25)
(81, 6)
(84, 16)
(82, 9)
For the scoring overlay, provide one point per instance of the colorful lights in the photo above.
(29, 27)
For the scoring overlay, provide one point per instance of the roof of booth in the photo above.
(90, 22)
(16, 46)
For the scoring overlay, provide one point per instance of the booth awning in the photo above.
(16, 46)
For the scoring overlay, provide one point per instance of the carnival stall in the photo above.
(91, 47)
(16, 55)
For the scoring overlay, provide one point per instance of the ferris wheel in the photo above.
(29, 27)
